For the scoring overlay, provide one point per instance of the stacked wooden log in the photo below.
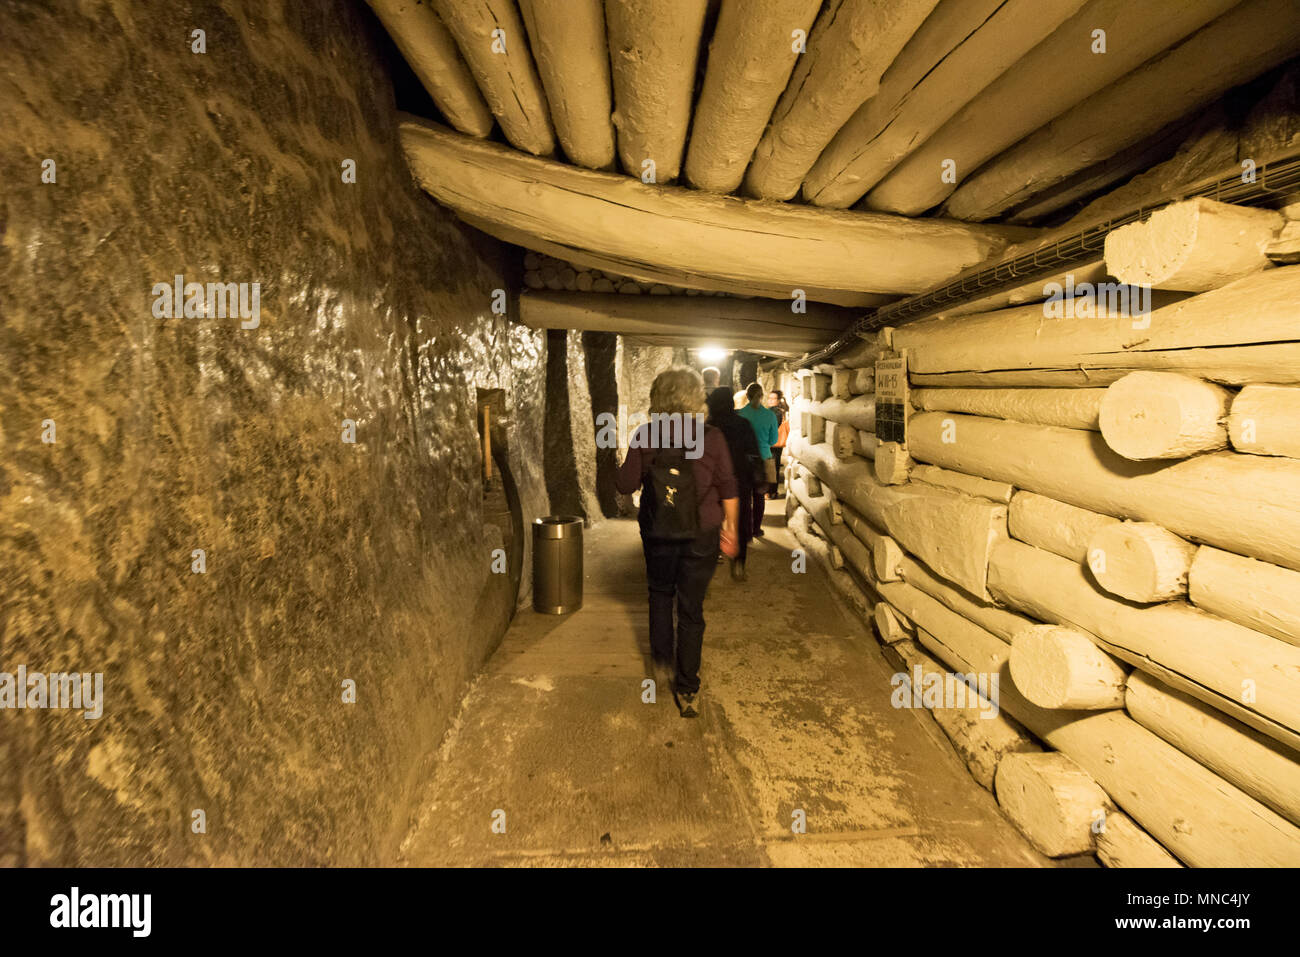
(1103, 512)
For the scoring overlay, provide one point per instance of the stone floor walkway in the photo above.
(553, 740)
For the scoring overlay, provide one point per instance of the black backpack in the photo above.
(669, 498)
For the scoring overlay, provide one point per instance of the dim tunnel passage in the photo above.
(799, 758)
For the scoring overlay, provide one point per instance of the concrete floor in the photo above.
(795, 716)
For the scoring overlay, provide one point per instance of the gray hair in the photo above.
(677, 389)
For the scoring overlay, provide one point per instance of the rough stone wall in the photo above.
(325, 560)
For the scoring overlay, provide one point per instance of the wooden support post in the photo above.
(1199, 817)
(843, 439)
(1240, 45)
(989, 617)
(1254, 316)
(860, 412)
(812, 428)
(862, 381)
(891, 626)
(887, 559)
(1196, 245)
(818, 386)
(1067, 408)
(950, 532)
(1230, 365)
(745, 323)
(892, 463)
(959, 482)
(980, 736)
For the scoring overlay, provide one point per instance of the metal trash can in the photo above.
(557, 564)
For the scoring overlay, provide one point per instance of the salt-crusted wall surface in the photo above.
(325, 560)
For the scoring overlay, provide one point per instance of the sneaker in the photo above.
(759, 533)
(690, 705)
(737, 570)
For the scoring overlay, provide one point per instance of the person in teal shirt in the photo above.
(767, 431)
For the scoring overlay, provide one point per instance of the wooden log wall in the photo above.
(1121, 551)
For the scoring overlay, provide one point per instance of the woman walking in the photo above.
(745, 461)
(766, 432)
(688, 510)
(776, 402)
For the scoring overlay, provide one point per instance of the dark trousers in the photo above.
(760, 503)
(745, 522)
(680, 571)
(776, 455)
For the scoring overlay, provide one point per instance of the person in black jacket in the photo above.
(745, 458)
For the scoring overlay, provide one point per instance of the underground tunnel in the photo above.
(336, 337)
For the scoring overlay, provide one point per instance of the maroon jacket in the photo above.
(714, 478)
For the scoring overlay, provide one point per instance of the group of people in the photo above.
(696, 509)
(755, 426)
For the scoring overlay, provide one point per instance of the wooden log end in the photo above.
(1054, 802)
(1164, 415)
(891, 625)
(1140, 561)
(887, 559)
(1058, 667)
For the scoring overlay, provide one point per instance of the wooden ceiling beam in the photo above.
(430, 49)
(751, 56)
(653, 48)
(1054, 76)
(962, 47)
(683, 230)
(757, 325)
(492, 40)
(852, 44)
(688, 279)
(567, 38)
(1239, 46)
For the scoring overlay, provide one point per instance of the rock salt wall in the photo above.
(326, 561)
